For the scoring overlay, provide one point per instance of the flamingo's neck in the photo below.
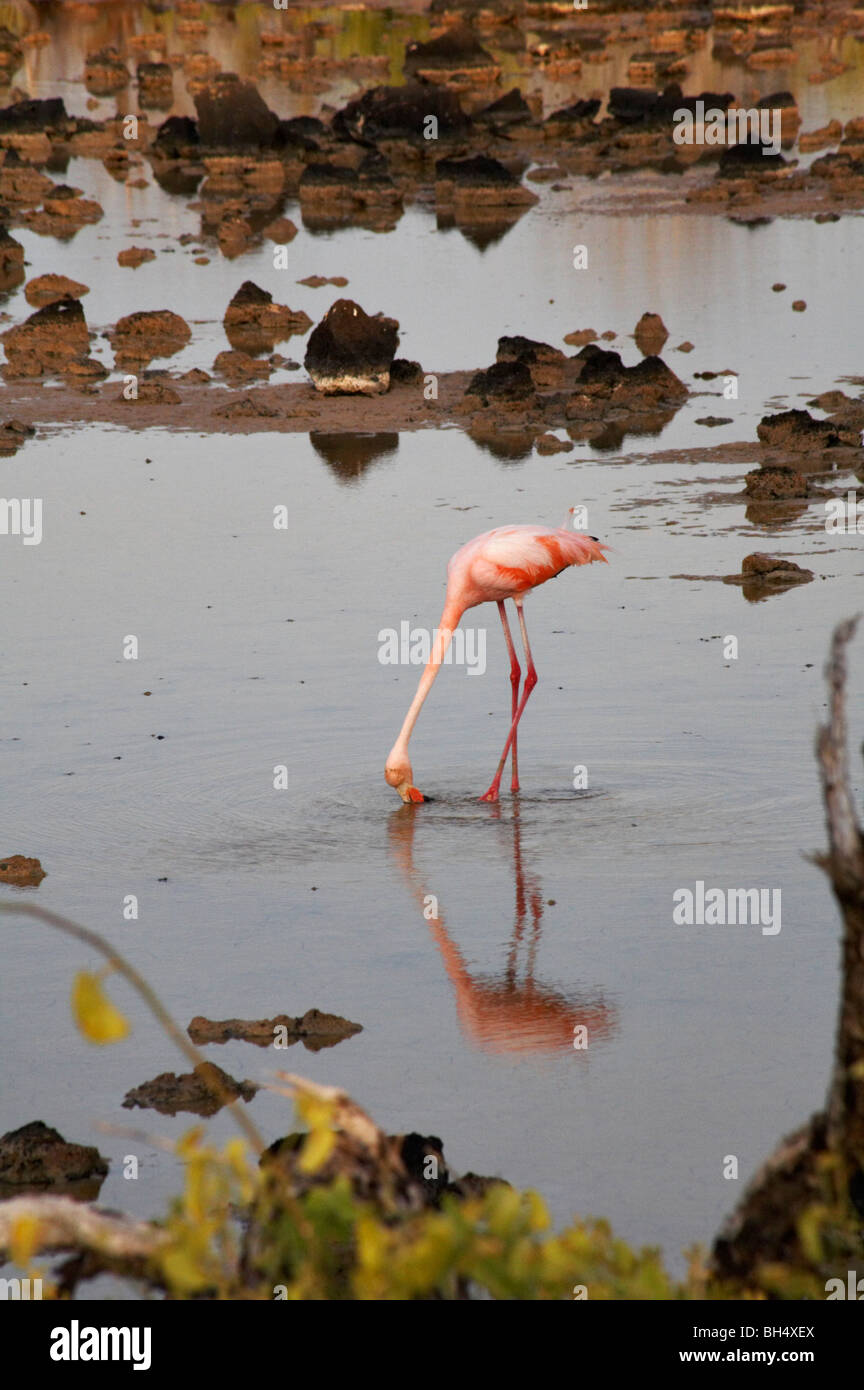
(453, 611)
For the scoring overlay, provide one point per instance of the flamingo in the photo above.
(505, 563)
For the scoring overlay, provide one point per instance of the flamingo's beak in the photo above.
(409, 793)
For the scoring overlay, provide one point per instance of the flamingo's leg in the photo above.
(530, 682)
(515, 678)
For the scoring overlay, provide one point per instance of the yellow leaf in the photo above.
(316, 1150)
(24, 1240)
(95, 1015)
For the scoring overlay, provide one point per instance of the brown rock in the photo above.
(139, 337)
(650, 334)
(48, 341)
(282, 230)
(36, 1156)
(581, 336)
(551, 444)
(315, 1028)
(47, 289)
(237, 367)
(203, 1091)
(17, 868)
(775, 484)
(253, 323)
(134, 256)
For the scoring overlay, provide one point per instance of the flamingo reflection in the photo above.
(510, 1011)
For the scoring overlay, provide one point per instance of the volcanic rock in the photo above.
(351, 352)
(33, 114)
(458, 51)
(798, 431)
(138, 338)
(402, 113)
(17, 868)
(650, 334)
(36, 1156)
(253, 323)
(510, 380)
(775, 484)
(479, 181)
(105, 72)
(177, 138)
(233, 115)
(49, 341)
(47, 289)
(315, 1028)
(134, 256)
(238, 367)
(203, 1091)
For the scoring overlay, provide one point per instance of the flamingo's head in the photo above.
(400, 775)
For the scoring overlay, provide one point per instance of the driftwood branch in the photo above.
(764, 1229)
(102, 1242)
(844, 865)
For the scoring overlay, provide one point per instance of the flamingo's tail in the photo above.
(582, 550)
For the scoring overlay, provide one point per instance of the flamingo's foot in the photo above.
(491, 795)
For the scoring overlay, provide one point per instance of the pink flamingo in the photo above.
(505, 563)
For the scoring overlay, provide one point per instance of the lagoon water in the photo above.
(260, 649)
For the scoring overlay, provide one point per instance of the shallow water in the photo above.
(260, 648)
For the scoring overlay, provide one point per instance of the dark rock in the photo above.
(519, 349)
(351, 352)
(253, 323)
(775, 484)
(176, 136)
(233, 115)
(511, 380)
(203, 1091)
(405, 373)
(752, 157)
(511, 109)
(797, 430)
(401, 113)
(34, 115)
(580, 112)
(37, 1156)
(477, 183)
(315, 1028)
(300, 133)
(760, 563)
(457, 50)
